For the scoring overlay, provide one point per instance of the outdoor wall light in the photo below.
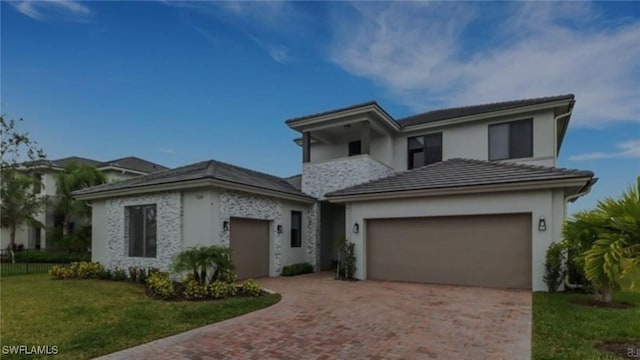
(225, 225)
(542, 224)
(279, 229)
(356, 228)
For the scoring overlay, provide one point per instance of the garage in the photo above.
(250, 247)
(478, 250)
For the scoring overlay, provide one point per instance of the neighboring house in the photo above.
(465, 196)
(115, 170)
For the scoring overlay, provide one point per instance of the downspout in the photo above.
(555, 130)
(586, 189)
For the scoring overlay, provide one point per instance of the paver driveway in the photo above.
(320, 318)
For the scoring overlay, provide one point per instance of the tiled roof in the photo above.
(450, 113)
(295, 181)
(455, 173)
(210, 169)
(134, 163)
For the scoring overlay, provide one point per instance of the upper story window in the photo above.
(511, 140)
(355, 148)
(296, 229)
(424, 150)
(142, 230)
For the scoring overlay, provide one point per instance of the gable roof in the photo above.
(450, 113)
(458, 173)
(295, 181)
(205, 170)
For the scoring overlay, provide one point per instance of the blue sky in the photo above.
(180, 82)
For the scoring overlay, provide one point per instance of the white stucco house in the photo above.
(32, 237)
(465, 196)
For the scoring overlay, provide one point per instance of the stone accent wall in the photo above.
(246, 205)
(319, 179)
(169, 230)
(313, 236)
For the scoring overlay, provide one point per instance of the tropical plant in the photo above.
(607, 240)
(75, 177)
(160, 285)
(251, 288)
(19, 204)
(346, 268)
(554, 267)
(207, 264)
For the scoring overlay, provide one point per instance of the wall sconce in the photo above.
(356, 228)
(279, 229)
(225, 225)
(542, 224)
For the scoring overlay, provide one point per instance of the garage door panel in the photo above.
(487, 250)
(250, 247)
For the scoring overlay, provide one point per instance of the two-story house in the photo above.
(464, 196)
(47, 170)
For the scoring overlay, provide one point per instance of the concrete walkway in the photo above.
(320, 318)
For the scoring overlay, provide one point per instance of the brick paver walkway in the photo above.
(320, 318)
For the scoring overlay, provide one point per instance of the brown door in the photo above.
(250, 247)
(484, 250)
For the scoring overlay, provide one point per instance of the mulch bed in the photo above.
(625, 350)
(595, 303)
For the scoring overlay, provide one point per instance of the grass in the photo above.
(565, 330)
(88, 318)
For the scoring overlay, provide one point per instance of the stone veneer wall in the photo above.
(246, 205)
(319, 179)
(313, 236)
(169, 230)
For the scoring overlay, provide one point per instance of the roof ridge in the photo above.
(541, 98)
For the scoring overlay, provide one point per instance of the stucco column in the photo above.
(365, 137)
(306, 147)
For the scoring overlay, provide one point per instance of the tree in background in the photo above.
(75, 177)
(606, 241)
(19, 202)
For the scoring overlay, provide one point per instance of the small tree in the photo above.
(554, 267)
(75, 177)
(346, 259)
(19, 202)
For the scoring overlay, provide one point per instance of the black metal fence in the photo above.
(36, 261)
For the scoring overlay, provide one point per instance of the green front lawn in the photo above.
(565, 330)
(88, 318)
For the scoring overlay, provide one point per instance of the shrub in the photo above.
(297, 269)
(46, 256)
(346, 259)
(105, 274)
(60, 272)
(85, 270)
(228, 277)
(194, 291)
(221, 290)
(205, 263)
(251, 288)
(554, 267)
(118, 274)
(160, 285)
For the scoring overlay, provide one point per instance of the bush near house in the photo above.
(77, 270)
(297, 269)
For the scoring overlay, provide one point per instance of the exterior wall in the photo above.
(539, 203)
(471, 140)
(200, 216)
(321, 178)
(99, 234)
(246, 205)
(380, 149)
(169, 230)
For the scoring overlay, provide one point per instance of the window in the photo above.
(142, 230)
(296, 229)
(511, 140)
(424, 150)
(355, 148)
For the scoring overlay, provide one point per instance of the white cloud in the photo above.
(626, 150)
(279, 53)
(167, 151)
(421, 53)
(42, 10)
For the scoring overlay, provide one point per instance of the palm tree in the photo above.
(199, 260)
(607, 240)
(75, 177)
(19, 203)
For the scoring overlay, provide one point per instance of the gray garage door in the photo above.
(486, 250)
(250, 247)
